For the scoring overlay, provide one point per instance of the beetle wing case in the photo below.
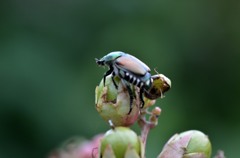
(132, 64)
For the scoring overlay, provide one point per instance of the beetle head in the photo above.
(100, 62)
(109, 58)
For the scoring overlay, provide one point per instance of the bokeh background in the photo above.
(48, 73)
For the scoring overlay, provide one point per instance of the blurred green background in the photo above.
(48, 73)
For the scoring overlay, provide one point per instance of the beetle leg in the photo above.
(113, 75)
(106, 74)
(141, 96)
(130, 92)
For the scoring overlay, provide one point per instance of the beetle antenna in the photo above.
(162, 96)
(99, 61)
(155, 69)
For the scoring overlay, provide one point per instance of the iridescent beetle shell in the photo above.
(128, 68)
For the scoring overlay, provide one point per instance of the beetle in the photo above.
(130, 70)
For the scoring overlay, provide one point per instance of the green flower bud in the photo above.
(189, 144)
(199, 144)
(114, 104)
(121, 142)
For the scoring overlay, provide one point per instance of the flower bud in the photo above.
(121, 142)
(189, 144)
(114, 104)
(156, 111)
(154, 115)
(78, 147)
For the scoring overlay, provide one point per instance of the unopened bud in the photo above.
(114, 104)
(189, 144)
(121, 142)
(156, 111)
(154, 115)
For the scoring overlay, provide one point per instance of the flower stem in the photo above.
(145, 126)
(144, 133)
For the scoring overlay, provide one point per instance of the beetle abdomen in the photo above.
(138, 81)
